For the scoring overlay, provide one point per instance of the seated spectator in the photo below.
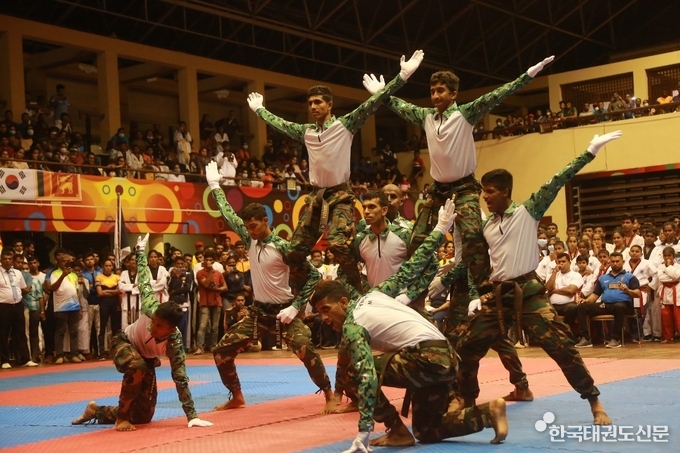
(159, 166)
(176, 176)
(120, 138)
(89, 167)
(665, 98)
(221, 140)
(562, 286)
(18, 161)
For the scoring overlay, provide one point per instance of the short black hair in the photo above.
(320, 90)
(562, 255)
(170, 312)
(377, 195)
(612, 254)
(635, 245)
(332, 290)
(253, 211)
(447, 78)
(500, 178)
(581, 258)
(7, 252)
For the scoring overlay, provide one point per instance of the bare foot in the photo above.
(399, 436)
(499, 421)
(519, 395)
(124, 425)
(456, 404)
(600, 417)
(236, 402)
(352, 406)
(331, 406)
(88, 415)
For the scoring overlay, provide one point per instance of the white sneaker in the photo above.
(30, 363)
(6, 366)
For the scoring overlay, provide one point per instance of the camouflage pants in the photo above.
(138, 393)
(429, 373)
(540, 321)
(469, 223)
(457, 323)
(307, 233)
(296, 335)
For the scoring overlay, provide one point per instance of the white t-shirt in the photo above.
(563, 280)
(452, 148)
(383, 256)
(270, 275)
(140, 337)
(66, 296)
(329, 155)
(391, 325)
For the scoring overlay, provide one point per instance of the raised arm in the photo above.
(146, 293)
(540, 201)
(411, 270)
(213, 177)
(293, 130)
(354, 120)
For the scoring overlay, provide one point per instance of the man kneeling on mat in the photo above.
(136, 356)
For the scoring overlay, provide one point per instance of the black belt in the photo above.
(432, 344)
(271, 306)
(455, 184)
(269, 309)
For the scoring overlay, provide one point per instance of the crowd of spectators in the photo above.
(568, 115)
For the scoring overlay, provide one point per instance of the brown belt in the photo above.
(320, 201)
(408, 395)
(518, 297)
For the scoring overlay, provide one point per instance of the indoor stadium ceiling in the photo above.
(485, 42)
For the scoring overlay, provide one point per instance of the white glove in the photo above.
(435, 287)
(255, 101)
(535, 69)
(410, 66)
(403, 298)
(142, 241)
(198, 422)
(360, 443)
(447, 215)
(474, 306)
(287, 314)
(372, 84)
(600, 140)
(212, 175)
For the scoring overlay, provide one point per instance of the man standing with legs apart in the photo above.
(453, 157)
(328, 143)
(136, 351)
(414, 355)
(273, 296)
(519, 296)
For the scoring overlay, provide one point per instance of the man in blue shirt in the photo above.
(617, 288)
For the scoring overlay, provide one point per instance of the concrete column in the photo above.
(12, 84)
(188, 102)
(640, 83)
(109, 94)
(253, 123)
(368, 138)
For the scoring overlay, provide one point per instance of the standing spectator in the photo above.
(159, 276)
(404, 185)
(84, 333)
(207, 130)
(59, 104)
(120, 138)
(242, 260)
(90, 272)
(12, 320)
(669, 277)
(183, 143)
(106, 285)
(417, 170)
(210, 284)
(227, 162)
(67, 309)
(35, 301)
(180, 286)
(232, 128)
(135, 161)
(131, 305)
(221, 140)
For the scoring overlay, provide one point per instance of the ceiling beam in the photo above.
(56, 57)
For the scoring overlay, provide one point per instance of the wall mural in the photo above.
(37, 201)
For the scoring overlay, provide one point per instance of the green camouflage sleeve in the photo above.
(313, 279)
(146, 293)
(295, 131)
(540, 201)
(231, 217)
(416, 288)
(457, 272)
(356, 342)
(474, 111)
(355, 119)
(175, 352)
(413, 268)
(407, 111)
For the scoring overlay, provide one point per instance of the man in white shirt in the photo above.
(562, 286)
(12, 319)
